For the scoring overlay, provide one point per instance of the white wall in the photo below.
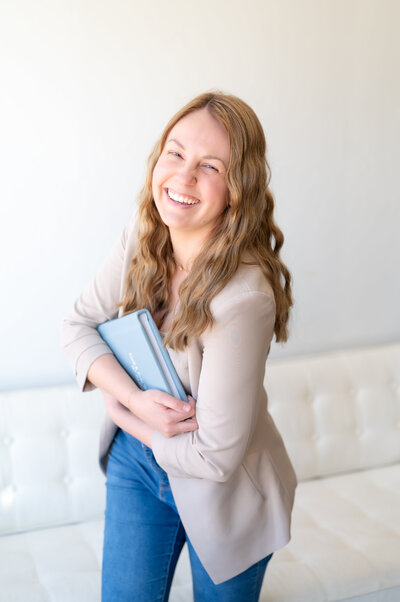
(86, 88)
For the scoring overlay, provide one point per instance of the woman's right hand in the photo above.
(163, 412)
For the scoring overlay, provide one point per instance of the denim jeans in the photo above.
(144, 536)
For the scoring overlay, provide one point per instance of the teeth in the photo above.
(181, 199)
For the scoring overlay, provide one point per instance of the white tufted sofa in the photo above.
(339, 415)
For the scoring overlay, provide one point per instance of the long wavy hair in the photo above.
(247, 224)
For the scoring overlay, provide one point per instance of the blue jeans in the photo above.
(144, 536)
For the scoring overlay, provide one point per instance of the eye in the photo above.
(175, 154)
(210, 167)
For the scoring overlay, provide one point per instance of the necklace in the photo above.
(180, 267)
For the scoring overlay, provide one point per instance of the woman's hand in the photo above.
(164, 413)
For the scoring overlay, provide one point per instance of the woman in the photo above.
(203, 257)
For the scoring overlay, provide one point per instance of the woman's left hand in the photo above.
(143, 427)
(163, 412)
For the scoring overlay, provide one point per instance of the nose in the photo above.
(187, 173)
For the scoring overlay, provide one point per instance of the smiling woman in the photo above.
(189, 180)
(203, 257)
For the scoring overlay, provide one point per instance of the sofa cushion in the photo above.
(345, 541)
(49, 473)
(345, 546)
(338, 412)
(59, 564)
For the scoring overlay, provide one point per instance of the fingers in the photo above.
(178, 421)
(185, 426)
(190, 424)
(171, 428)
(174, 416)
(173, 403)
(165, 413)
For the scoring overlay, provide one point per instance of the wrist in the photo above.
(132, 400)
(147, 436)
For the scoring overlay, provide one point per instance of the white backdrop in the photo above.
(86, 87)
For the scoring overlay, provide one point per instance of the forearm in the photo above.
(140, 412)
(107, 374)
(127, 421)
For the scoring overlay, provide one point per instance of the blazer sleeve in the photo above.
(229, 394)
(97, 303)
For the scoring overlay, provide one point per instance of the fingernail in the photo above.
(186, 407)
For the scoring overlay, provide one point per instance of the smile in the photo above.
(180, 198)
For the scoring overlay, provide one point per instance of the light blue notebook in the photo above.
(137, 344)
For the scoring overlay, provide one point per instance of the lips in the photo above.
(182, 199)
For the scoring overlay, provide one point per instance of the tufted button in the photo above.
(8, 441)
(64, 433)
(68, 479)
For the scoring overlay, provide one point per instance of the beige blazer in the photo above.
(232, 480)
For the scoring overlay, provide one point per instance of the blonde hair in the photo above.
(247, 224)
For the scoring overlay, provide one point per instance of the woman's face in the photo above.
(189, 178)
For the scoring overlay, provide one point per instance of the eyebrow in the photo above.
(204, 156)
